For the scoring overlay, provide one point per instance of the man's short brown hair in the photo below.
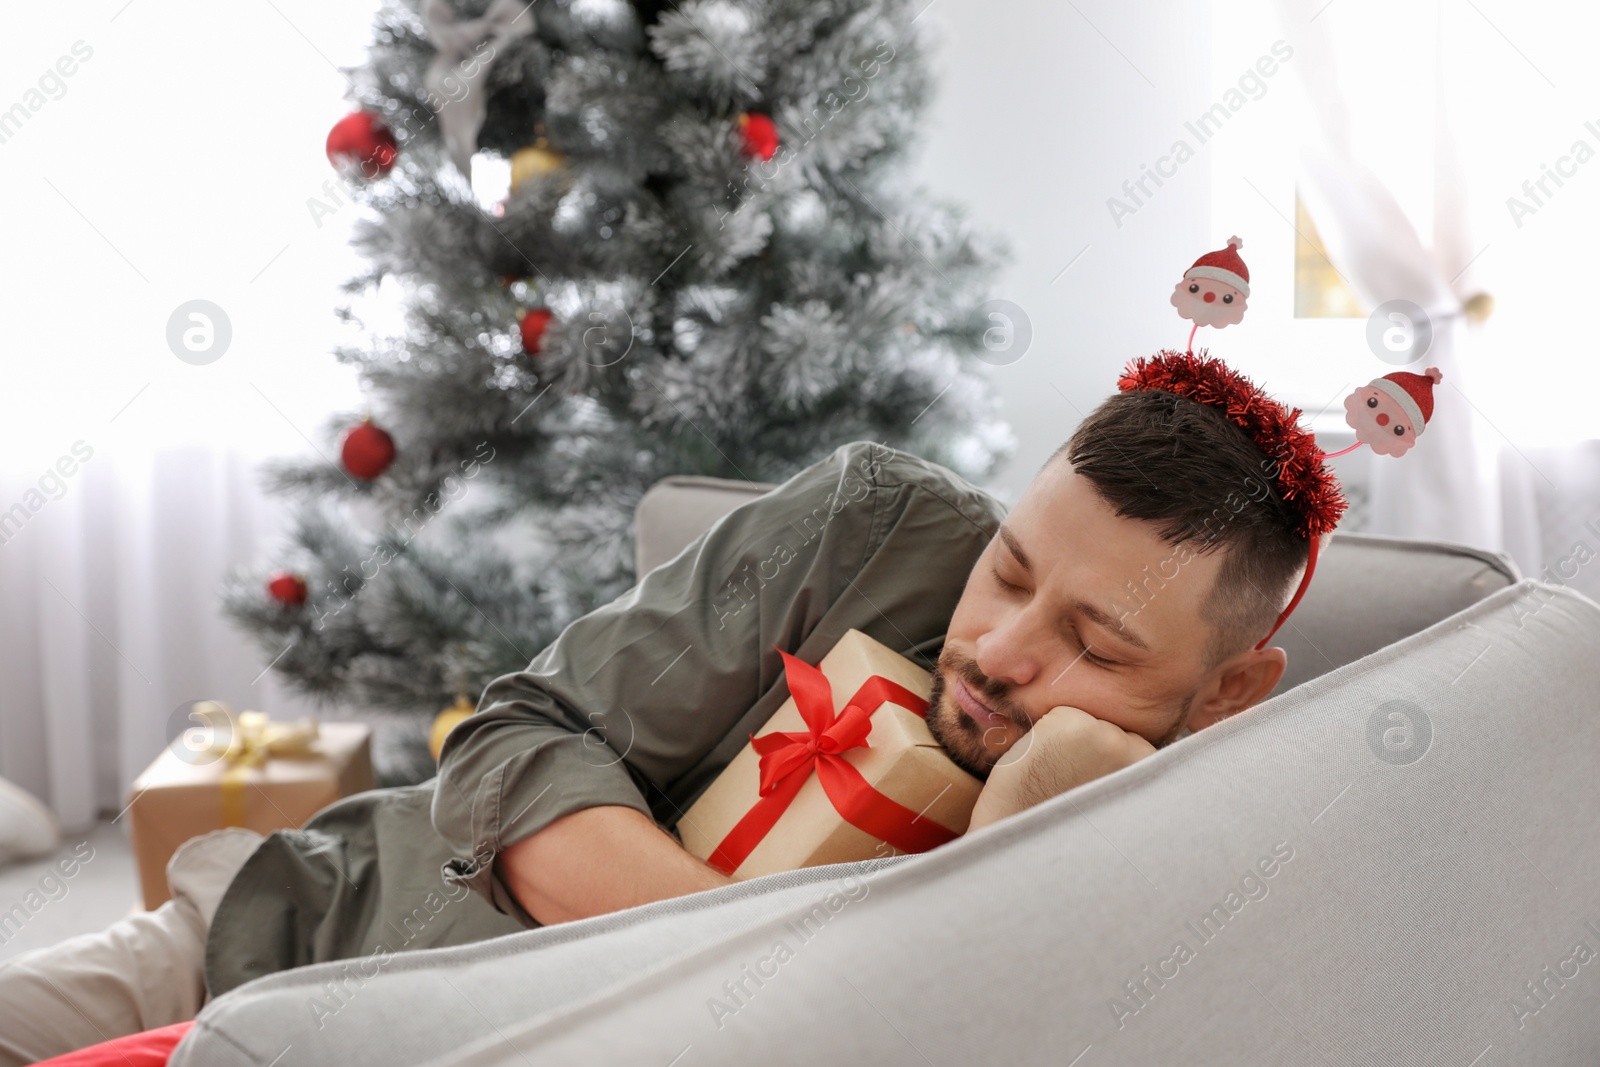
(1167, 459)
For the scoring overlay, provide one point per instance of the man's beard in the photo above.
(957, 733)
(962, 738)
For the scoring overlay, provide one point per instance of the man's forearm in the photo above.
(600, 860)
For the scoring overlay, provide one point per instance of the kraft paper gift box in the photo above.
(187, 792)
(899, 791)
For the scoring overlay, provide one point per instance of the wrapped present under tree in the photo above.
(240, 770)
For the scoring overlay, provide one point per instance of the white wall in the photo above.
(1043, 110)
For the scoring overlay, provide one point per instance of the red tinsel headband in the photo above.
(1306, 485)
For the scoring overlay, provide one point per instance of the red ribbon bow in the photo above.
(789, 758)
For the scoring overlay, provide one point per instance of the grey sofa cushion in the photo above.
(1370, 591)
(1377, 866)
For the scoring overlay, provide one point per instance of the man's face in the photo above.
(1069, 629)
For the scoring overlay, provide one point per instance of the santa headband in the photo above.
(1303, 481)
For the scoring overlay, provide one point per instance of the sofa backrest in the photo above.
(676, 510)
(1368, 591)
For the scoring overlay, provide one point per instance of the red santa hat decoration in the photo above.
(1413, 392)
(1223, 265)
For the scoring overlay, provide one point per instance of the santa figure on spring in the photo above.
(1213, 291)
(1389, 413)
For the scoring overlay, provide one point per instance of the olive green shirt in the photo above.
(641, 702)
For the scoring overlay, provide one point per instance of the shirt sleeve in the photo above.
(638, 691)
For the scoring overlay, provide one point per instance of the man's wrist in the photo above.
(990, 808)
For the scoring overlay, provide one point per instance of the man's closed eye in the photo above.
(1098, 661)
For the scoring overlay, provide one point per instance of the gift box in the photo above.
(846, 769)
(240, 770)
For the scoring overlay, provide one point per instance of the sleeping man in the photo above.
(1114, 609)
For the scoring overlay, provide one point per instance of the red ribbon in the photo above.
(788, 760)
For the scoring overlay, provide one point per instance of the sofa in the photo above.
(1388, 861)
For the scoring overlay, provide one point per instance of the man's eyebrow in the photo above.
(1016, 547)
(1082, 607)
(1088, 610)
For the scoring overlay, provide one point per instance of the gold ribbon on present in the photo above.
(247, 740)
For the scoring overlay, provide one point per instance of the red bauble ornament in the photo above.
(361, 141)
(533, 326)
(367, 450)
(759, 133)
(287, 588)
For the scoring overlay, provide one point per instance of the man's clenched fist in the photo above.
(1065, 748)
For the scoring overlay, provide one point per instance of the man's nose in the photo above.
(1210, 297)
(1383, 419)
(1004, 657)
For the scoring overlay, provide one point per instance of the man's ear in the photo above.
(1236, 684)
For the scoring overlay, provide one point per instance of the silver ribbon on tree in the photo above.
(465, 51)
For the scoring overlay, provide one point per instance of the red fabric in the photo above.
(152, 1048)
(789, 758)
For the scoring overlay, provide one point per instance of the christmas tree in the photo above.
(710, 261)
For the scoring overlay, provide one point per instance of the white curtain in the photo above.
(109, 573)
(112, 622)
(1419, 118)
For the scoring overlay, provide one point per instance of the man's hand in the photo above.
(1065, 748)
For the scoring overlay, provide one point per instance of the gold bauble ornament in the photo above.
(1478, 308)
(445, 721)
(535, 161)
